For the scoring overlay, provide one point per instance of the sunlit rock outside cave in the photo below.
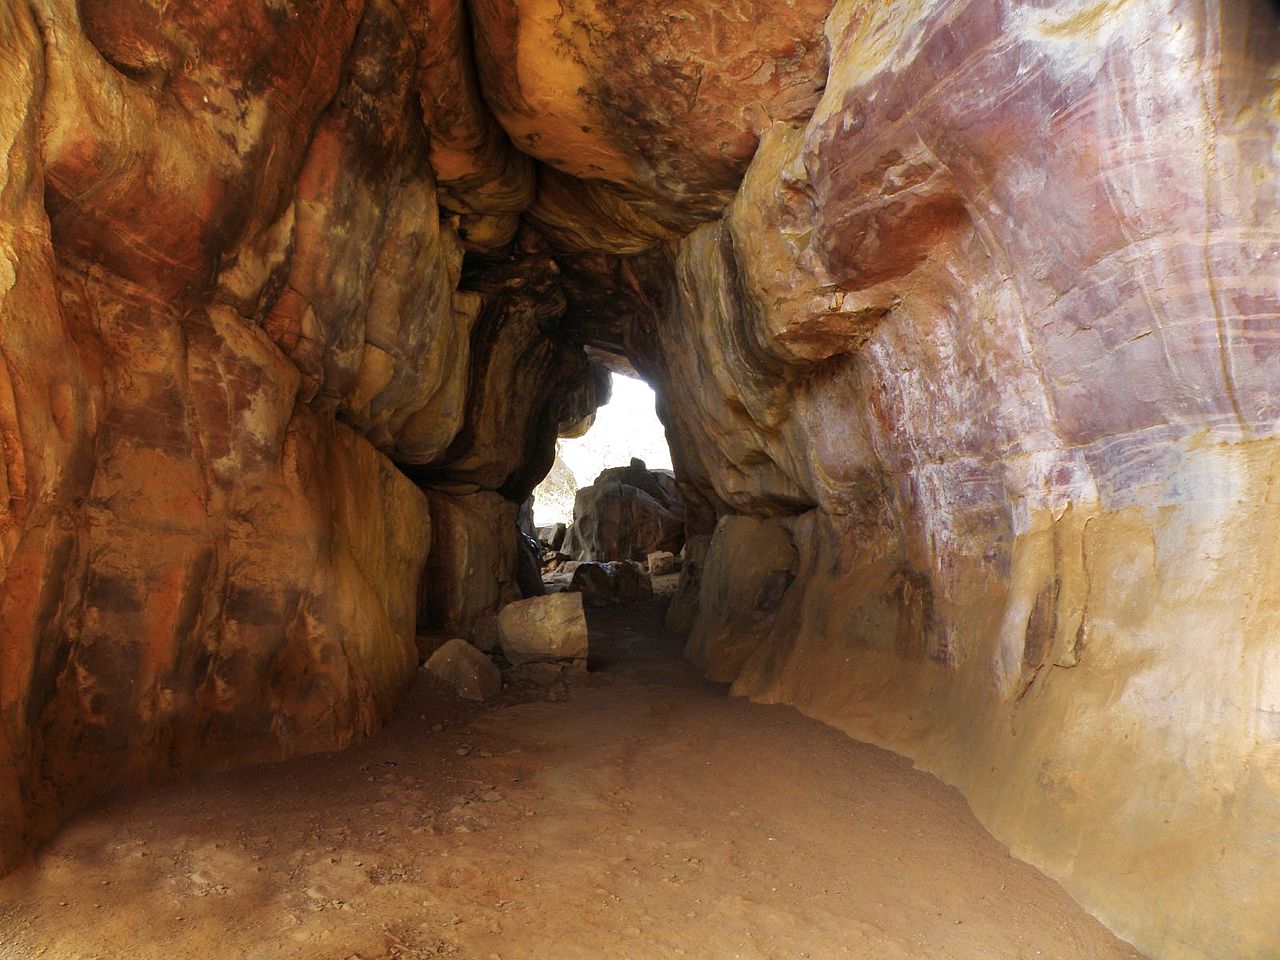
(640, 480)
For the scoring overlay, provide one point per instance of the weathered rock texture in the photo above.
(470, 674)
(228, 293)
(963, 319)
(993, 335)
(550, 628)
(628, 513)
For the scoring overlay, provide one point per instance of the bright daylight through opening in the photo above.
(626, 427)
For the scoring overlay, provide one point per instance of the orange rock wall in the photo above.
(228, 295)
(962, 315)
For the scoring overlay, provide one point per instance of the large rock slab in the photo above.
(546, 628)
(628, 513)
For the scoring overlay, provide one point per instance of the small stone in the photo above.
(544, 629)
(662, 562)
(469, 672)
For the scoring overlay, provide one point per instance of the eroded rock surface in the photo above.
(628, 513)
(961, 316)
(229, 291)
(992, 330)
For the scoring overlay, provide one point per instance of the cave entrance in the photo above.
(609, 515)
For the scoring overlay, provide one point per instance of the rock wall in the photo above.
(992, 335)
(229, 293)
(963, 319)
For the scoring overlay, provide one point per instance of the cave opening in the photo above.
(625, 427)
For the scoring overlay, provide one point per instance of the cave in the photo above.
(963, 319)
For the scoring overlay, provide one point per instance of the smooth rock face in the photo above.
(549, 628)
(471, 674)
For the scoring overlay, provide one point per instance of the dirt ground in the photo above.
(638, 814)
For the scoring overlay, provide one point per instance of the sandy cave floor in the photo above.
(647, 815)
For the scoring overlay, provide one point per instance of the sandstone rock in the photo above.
(976, 520)
(631, 581)
(608, 77)
(471, 569)
(469, 672)
(552, 537)
(553, 563)
(605, 584)
(683, 611)
(749, 567)
(662, 563)
(976, 317)
(594, 583)
(549, 628)
(628, 513)
(485, 635)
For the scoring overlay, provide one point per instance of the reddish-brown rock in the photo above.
(656, 110)
(970, 330)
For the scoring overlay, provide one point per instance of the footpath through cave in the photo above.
(635, 811)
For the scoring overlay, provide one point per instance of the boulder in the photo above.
(605, 584)
(662, 563)
(485, 635)
(593, 582)
(552, 537)
(628, 513)
(548, 628)
(469, 672)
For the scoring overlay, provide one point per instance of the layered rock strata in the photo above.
(229, 292)
(991, 338)
(961, 315)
